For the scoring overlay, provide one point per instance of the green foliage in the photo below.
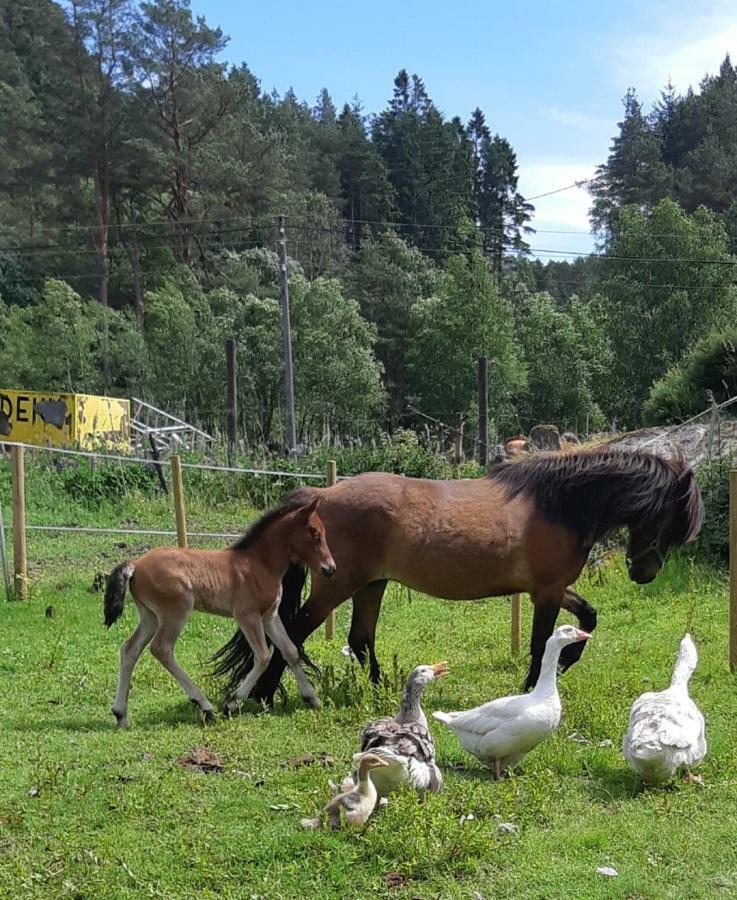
(565, 354)
(387, 278)
(464, 320)
(91, 482)
(709, 368)
(337, 376)
(713, 541)
(654, 308)
(57, 341)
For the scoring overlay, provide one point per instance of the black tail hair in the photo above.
(233, 661)
(117, 585)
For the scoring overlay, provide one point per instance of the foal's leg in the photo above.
(280, 639)
(362, 636)
(162, 647)
(326, 595)
(586, 615)
(252, 627)
(130, 653)
(543, 623)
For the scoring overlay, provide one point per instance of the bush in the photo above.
(713, 542)
(91, 484)
(682, 392)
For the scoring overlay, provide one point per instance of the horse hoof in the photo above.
(313, 702)
(120, 718)
(230, 709)
(208, 715)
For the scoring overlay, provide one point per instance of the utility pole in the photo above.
(287, 339)
(483, 411)
(232, 399)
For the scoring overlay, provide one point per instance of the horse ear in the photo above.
(304, 512)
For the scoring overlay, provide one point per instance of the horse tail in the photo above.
(233, 661)
(117, 585)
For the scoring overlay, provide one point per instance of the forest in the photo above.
(140, 183)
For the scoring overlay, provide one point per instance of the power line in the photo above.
(576, 184)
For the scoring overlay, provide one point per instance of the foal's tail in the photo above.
(117, 585)
(233, 660)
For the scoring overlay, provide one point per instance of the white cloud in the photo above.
(683, 48)
(566, 211)
(582, 121)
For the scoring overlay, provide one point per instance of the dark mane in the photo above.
(291, 502)
(592, 492)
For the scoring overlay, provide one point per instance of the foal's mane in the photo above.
(593, 492)
(256, 530)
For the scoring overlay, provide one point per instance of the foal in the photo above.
(242, 581)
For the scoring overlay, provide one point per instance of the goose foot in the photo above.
(690, 778)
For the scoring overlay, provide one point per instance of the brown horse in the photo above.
(244, 581)
(527, 527)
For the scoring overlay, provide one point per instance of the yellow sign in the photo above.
(51, 418)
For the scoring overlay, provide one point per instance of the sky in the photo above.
(549, 76)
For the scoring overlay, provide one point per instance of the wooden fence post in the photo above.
(178, 491)
(733, 570)
(516, 623)
(331, 478)
(20, 553)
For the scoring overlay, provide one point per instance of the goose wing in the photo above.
(488, 716)
(408, 739)
(662, 721)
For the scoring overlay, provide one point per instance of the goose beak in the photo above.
(440, 669)
(582, 635)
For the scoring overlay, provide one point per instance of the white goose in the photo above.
(500, 733)
(666, 729)
(405, 741)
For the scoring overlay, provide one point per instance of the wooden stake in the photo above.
(178, 491)
(733, 569)
(20, 553)
(331, 478)
(516, 623)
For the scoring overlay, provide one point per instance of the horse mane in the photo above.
(592, 492)
(256, 530)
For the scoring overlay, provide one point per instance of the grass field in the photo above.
(88, 811)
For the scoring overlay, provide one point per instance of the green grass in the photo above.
(89, 811)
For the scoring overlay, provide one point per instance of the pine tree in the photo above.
(502, 213)
(634, 172)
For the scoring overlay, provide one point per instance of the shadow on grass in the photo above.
(607, 784)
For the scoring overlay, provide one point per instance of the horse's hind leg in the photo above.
(586, 615)
(253, 630)
(280, 639)
(362, 636)
(130, 653)
(162, 647)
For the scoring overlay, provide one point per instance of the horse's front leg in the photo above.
(543, 623)
(324, 598)
(586, 615)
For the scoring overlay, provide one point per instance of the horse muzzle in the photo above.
(328, 569)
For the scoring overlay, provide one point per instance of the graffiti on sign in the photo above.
(61, 420)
